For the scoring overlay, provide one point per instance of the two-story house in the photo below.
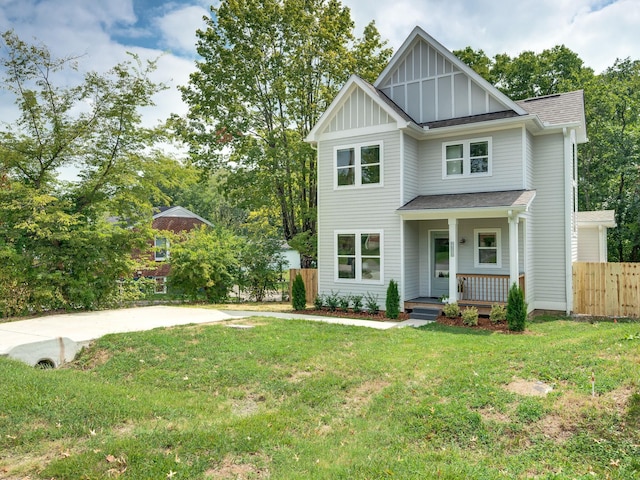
(434, 178)
(167, 222)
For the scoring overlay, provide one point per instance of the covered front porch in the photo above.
(465, 248)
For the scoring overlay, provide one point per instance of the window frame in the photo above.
(466, 158)
(358, 166)
(156, 251)
(160, 282)
(358, 256)
(476, 247)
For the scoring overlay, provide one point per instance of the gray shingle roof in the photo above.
(556, 109)
(509, 198)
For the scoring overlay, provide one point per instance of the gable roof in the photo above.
(435, 63)
(559, 109)
(380, 99)
(169, 213)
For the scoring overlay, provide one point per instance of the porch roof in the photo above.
(468, 205)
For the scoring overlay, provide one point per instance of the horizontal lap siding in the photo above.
(506, 168)
(364, 208)
(547, 252)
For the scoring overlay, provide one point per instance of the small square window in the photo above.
(359, 165)
(467, 158)
(487, 248)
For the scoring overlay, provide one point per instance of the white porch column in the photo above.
(453, 259)
(514, 263)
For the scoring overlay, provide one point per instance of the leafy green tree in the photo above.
(269, 69)
(205, 263)
(61, 249)
(261, 266)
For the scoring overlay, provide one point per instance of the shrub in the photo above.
(332, 301)
(498, 313)
(344, 302)
(451, 310)
(318, 302)
(356, 301)
(470, 316)
(516, 309)
(371, 301)
(298, 293)
(393, 300)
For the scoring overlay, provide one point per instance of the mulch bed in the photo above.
(483, 322)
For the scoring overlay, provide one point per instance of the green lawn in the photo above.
(304, 400)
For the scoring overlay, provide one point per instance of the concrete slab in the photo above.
(55, 337)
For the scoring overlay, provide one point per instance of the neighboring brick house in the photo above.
(174, 220)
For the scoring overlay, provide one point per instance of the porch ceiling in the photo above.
(468, 205)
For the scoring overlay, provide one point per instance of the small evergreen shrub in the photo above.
(498, 313)
(332, 300)
(470, 316)
(516, 309)
(356, 302)
(451, 310)
(344, 303)
(372, 303)
(318, 302)
(298, 294)
(393, 301)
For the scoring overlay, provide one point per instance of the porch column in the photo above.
(514, 263)
(453, 259)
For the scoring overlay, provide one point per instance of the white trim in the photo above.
(163, 284)
(357, 148)
(466, 158)
(357, 132)
(431, 260)
(568, 213)
(476, 247)
(358, 256)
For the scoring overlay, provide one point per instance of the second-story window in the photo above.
(358, 165)
(466, 158)
(161, 250)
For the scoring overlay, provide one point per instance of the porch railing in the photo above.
(484, 288)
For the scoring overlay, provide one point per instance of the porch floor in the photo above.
(484, 308)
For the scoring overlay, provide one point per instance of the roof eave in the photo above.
(461, 213)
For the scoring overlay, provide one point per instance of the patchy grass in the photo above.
(298, 400)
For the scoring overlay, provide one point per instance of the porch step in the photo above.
(422, 313)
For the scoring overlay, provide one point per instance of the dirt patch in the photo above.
(492, 415)
(247, 406)
(529, 388)
(362, 394)
(234, 468)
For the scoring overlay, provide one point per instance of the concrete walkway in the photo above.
(55, 339)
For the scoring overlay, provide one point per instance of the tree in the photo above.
(298, 293)
(393, 300)
(60, 247)
(269, 69)
(205, 263)
(516, 309)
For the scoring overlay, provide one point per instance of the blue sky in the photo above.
(104, 30)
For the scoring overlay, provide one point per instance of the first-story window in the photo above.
(487, 248)
(161, 285)
(359, 256)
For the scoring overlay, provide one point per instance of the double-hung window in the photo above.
(359, 256)
(466, 158)
(161, 249)
(487, 248)
(358, 165)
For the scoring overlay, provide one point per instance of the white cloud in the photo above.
(178, 28)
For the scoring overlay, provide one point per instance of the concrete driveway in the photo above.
(55, 339)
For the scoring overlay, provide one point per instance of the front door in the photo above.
(440, 264)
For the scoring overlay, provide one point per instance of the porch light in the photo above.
(463, 241)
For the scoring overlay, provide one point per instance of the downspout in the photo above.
(568, 212)
(402, 225)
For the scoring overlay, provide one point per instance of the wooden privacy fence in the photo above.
(606, 289)
(310, 279)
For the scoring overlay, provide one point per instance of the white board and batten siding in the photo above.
(358, 112)
(506, 168)
(429, 87)
(547, 249)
